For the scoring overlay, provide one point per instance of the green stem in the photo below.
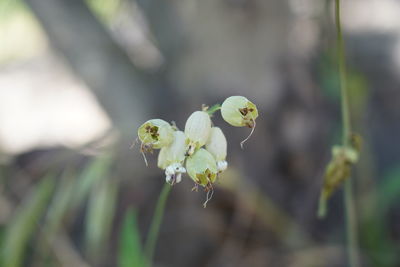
(151, 241)
(342, 77)
(213, 109)
(351, 220)
(351, 225)
(322, 207)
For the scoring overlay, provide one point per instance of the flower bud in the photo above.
(155, 133)
(197, 130)
(217, 146)
(172, 157)
(202, 168)
(348, 153)
(239, 111)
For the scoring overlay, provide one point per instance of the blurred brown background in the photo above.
(77, 78)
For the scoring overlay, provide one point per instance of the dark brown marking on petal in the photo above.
(243, 111)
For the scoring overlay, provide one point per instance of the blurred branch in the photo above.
(269, 214)
(164, 24)
(66, 253)
(167, 33)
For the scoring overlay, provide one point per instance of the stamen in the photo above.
(243, 111)
(210, 194)
(251, 133)
(195, 187)
(190, 150)
(144, 156)
(134, 142)
(173, 179)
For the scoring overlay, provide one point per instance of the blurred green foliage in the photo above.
(25, 222)
(100, 214)
(376, 233)
(105, 10)
(130, 248)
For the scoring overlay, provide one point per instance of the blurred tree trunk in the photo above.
(166, 25)
(123, 91)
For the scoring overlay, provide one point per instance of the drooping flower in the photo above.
(202, 168)
(155, 134)
(197, 130)
(239, 111)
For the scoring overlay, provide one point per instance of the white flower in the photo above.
(197, 130)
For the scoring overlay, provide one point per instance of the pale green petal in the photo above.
(202, 167)
(161, 136)
(231, 111)
(216, 144)
(197, 130)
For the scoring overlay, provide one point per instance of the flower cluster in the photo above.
(200, 150)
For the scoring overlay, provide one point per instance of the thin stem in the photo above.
(151, 241)
(351, 225)
(321, 207)
(351, 220)
(342, 77)
(213, 109)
